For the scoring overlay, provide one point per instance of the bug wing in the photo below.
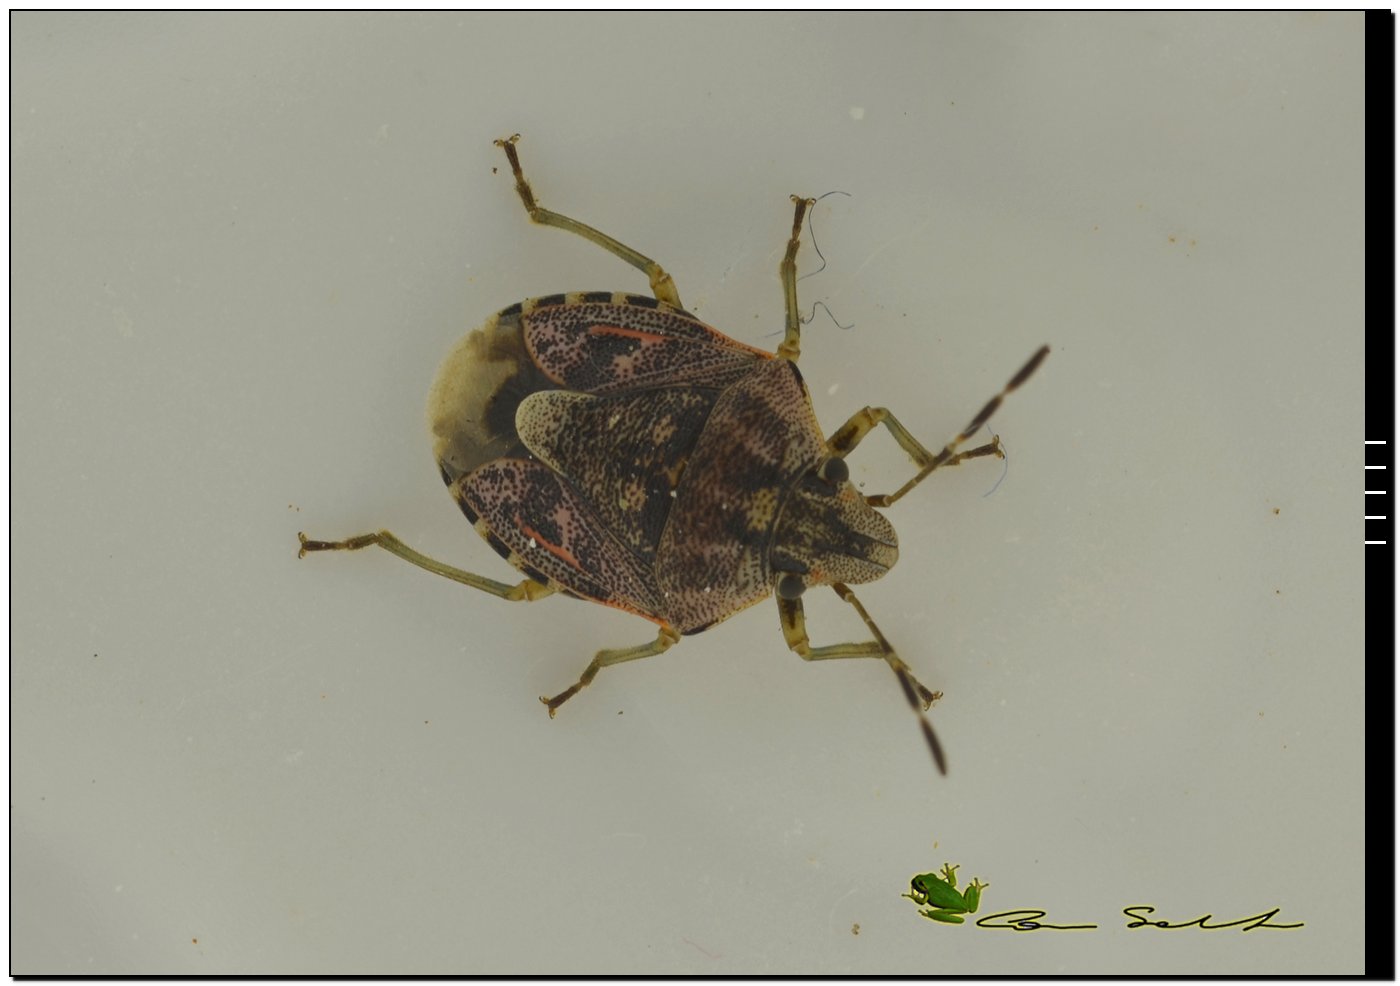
(714, 556)
(605, 347)
(544, 528)
(591, 342)
(624, 454)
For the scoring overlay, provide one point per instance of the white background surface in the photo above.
(243, 241)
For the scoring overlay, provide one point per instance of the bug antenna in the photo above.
(934, 746)
(907, 683)
(920, 698)
(975, 425)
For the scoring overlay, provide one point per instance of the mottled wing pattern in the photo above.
(624, 453)
(605, 347)
(713, 559)
(542, 527)
(609, 393)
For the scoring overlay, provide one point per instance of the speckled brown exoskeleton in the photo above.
(613, 447)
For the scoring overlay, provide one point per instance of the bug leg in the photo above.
(849, 435)
(661, 284)
(920, 698)
(791, 346)
(664, 639)
(864, 421)
(527, 591)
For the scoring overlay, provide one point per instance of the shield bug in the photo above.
(613, 447)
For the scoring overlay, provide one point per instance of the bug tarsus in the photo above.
(527, 590)
(791, 346)
(666, 637)
(662, 285)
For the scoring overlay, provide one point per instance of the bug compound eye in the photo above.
(834, 471)
(791, 586)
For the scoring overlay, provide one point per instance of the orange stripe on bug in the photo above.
(558, 551)
(617, 330)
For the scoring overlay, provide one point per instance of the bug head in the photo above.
(827, 533)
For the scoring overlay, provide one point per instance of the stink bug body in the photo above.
(613, 447)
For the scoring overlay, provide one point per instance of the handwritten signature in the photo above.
(1031, 919)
